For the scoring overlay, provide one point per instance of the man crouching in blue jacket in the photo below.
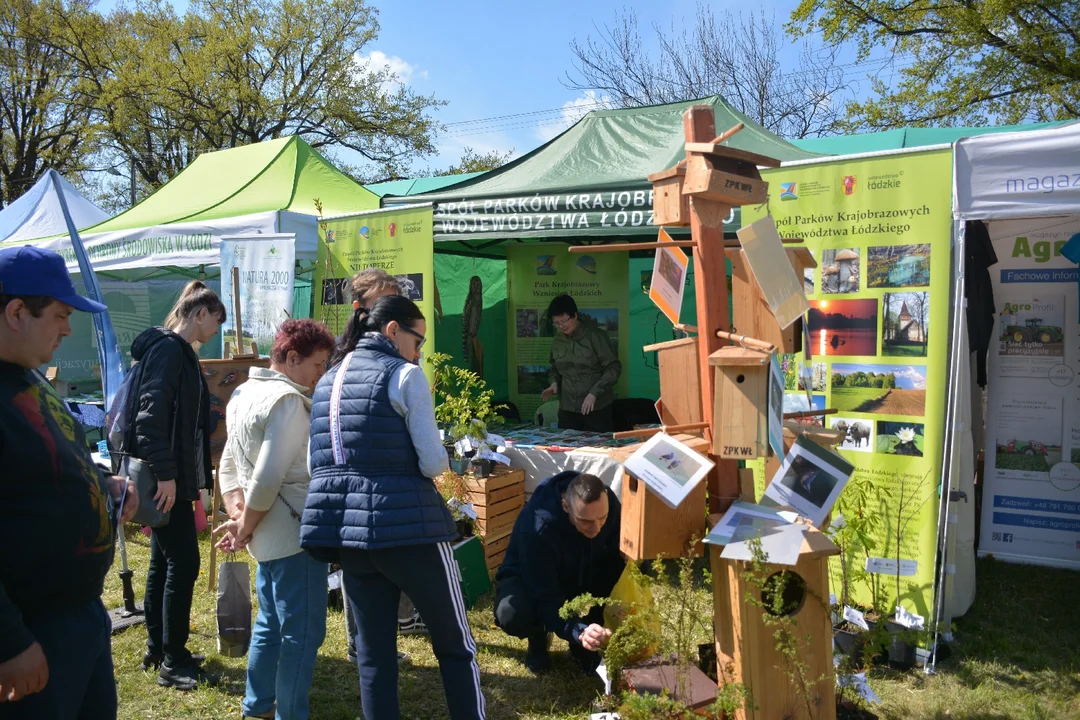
(564, 543)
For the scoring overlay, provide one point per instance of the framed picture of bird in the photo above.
(668, 467)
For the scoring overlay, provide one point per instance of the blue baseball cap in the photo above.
(28, 270)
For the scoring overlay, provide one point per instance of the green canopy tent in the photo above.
(902, 138)
(145, 255)
(416, 186)
(588, 184)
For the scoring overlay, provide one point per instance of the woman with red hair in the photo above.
(265, 461)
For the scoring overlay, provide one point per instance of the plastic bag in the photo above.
(631, 597)
(234, 609)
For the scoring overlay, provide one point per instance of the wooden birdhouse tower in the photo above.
(741, 399)
(670, 206)
(746, 643)
(750, 312)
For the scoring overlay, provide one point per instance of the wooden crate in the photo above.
(498, 500)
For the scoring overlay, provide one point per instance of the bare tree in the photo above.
(726, 55)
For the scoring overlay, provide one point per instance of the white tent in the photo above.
(37, 212)
(1026, 187)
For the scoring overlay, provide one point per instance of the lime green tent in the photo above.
(588, 182)
(278, 186)
(904, 138)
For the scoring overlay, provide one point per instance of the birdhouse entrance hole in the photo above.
(793, 593)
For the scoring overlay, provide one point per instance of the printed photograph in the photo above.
(819, 377)
(532, 379)
(840, 271)
(1032, 326)
(858, 434)
(808, 481)
(900, 438)
(674, 462)
(672, 273)
(1029, 454)
(898, 266)
(606, 319)
(412, 286)
(905, 324)
(843, 327)
(808, 277)
(881, 389)
(334, 291)
(748, 527)
(528, 323)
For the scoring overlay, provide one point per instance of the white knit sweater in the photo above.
(268, 420)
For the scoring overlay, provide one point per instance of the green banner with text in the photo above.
(880, 231)
(398, 240)
(536, 274)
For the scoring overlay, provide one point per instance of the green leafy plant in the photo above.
(452, 488)
(463, 402)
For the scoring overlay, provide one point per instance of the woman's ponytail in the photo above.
(374, 319)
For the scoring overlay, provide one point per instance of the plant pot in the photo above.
(470, 453)
(482, 468)
(853, 644)
(901, 653)
(459, 465)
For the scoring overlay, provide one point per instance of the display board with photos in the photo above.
(880, 231)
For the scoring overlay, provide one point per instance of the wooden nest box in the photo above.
(745, 643)
(751, 314)
(670, 206)
(741, 400)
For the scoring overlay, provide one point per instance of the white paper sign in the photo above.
(909, 619)
(496, 441)
(887, 566)
(466, 509)
(333, 580)
(810, 480)
(487, 454)
(670, 468)
(855, 617)
(765, 254)
(862, 687)
(601, 670)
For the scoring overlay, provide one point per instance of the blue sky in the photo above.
(492, 59)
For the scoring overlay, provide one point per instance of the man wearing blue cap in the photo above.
(57, 512)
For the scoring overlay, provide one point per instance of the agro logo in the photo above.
(365, 232)
(329, 235)
(788, 191)
(393, 229)
(849, 184)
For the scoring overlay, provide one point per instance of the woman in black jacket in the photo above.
(172, 434)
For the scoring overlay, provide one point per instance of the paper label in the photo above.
(862, 687)
(855, 617)
(909, 619)
(887, 566)
(496, 441)
(466, 509)
(486, 454)
(601, 670)
(333, 580)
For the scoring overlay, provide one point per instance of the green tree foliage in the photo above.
(167, 87)
(44, 120)
(472, 161)
(967, 62)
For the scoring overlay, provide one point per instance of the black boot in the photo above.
(185, 677)
(152, 660)
(537, 658)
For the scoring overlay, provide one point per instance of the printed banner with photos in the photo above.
(880, 230)
(398, 240)
(536, 275)
(1031, 496)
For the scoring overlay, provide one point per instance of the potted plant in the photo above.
(909, 502)
(464, 411)
(453, 491)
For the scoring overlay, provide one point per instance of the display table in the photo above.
(543, 452)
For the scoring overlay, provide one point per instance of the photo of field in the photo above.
(883, 389)
(1030, 455)
(900, 438)
(897, 266)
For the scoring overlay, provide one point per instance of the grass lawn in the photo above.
(903, 350)
(1017, 655)
(849, 398)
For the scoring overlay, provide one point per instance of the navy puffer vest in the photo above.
(366, 488)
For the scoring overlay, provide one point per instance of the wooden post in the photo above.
(710, 269)
(236, 311)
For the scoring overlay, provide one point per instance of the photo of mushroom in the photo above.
(840, 271)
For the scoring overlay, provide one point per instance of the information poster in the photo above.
(880, 231)
(1031, 496)
(398, 240)
(267, 266)
(536, 274)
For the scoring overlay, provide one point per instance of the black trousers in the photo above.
(515, 614)
(170, 583)
(599, 420)
(428, 573)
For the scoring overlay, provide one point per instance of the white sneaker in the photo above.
(412, 626)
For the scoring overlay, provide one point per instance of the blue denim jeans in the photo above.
(289, 630)
(77, 646)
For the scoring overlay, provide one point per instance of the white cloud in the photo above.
(401, 72)
(915, 378)
(572, 111)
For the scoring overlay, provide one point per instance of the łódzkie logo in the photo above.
(393, 229)
(849, 185)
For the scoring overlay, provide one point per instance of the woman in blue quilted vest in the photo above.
(373, 508)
